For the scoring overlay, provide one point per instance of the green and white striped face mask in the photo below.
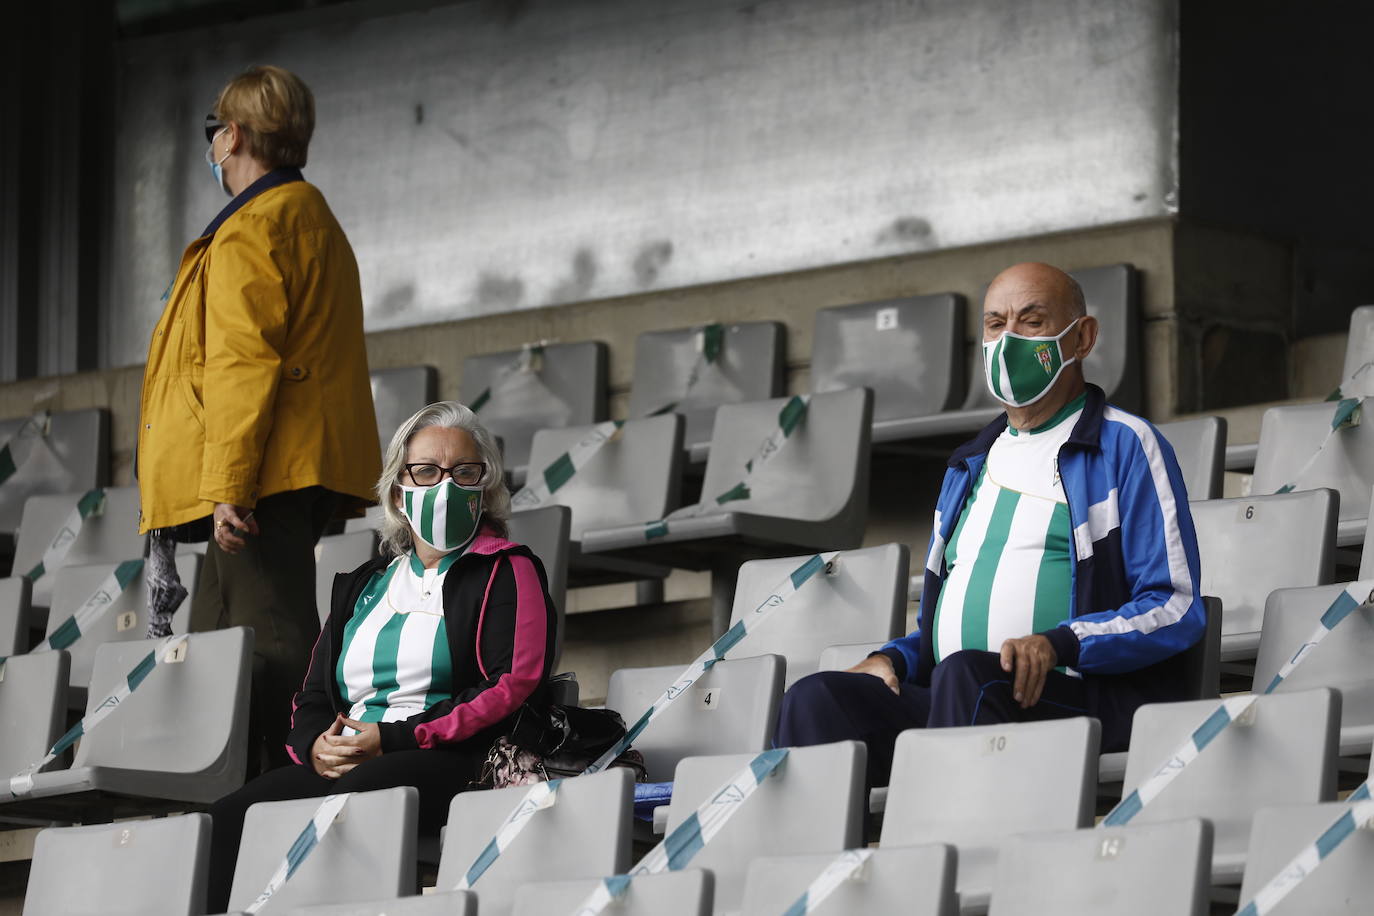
(1020, 369)
(444, 516)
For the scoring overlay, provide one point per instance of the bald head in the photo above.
(1033, 299)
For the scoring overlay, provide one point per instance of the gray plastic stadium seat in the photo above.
(1143, 870)
(132, 868)
(110, 536)
(1359, 345)
(750, 368)
(398, 393)
(74, 456)
(33, 708)
(864, 599)
(731, 709)
(909, 352)
(974, 786)
(126, 620)
(1367, 553)
(813, 802)
(451, 903)
(339, 553)
(1289, 437)
(14, 615)
(545, 532)
(670, 893)
(1287, 755)
(914, 880)
(1200, 446)
(1341, 661)
(369, 853)
(181, 736)
(635, 476)
(1343, 884)
(568, 390)
(1251, 545)
(585, 833)
(843, 657)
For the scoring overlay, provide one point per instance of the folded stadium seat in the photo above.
(1200, 446)
(124, 620)
(812, 803)
(585, 833)
(516, 393)
(909, 352)
(1344, 883)
(750, 366)
(367, 855)
(972, 787)
(1341, 661)
(916, 880)
(671, 893)
(133, 868)
(731, 709)
(453, 903)
(108, 535)
(635, 476)
(847, 655)
(1367, 551)
(14, 615)
(73, 455)
(811, 495)
(33, 708)
(863, 598)
(1251, 545)
(1141, 870)
(1285, 755)
(1290, 438)
(339, 553)
(181, 737)
(398, 393)
(545, 532)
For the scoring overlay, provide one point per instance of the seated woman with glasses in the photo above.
(428, 653)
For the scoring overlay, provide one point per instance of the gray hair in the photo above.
(395, 529)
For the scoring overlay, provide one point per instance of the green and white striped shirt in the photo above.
(1008, 559)
(395, 660)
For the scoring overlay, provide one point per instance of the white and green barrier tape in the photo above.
(1236, 709)
(169, 650)
(541, 795)
(539, 488)
(1359, 816)
(92, 502)
(324, 817)
(530, 359)
(846, 866)
(93, 608)
(12, 457)
(710, 341)
(1346, 416)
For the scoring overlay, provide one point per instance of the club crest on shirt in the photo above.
(1042, 353)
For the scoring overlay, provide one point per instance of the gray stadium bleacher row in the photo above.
(1232, 820)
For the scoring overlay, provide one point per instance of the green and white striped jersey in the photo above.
(1008, 559)
(395, 660)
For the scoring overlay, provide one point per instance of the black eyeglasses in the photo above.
(467, 474)
(213, 125)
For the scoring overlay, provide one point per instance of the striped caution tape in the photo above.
(539, 489)
(92, 502)
(309, 838)
(844, 867)
(704, 662)
(1355, 596)
(93, 608)
(678, 848)
(541, 795)
(530, 359)
(1347, 416)
(1359, 816)
(35, 427)
(790, 417)
(710, 343)
(169, 650)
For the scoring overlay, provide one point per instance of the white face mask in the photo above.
(444, 516)
(1021, 370)
(218, 167)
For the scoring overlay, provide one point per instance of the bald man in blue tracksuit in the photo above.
(1062, 574)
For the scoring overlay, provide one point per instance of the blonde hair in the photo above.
(395, 531)
(275, 111)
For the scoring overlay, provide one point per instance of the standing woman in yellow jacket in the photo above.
(257, 410)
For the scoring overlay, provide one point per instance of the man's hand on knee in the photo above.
(1030, 660)
(880, 666)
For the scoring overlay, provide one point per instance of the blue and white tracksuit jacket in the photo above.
(1135, 602)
